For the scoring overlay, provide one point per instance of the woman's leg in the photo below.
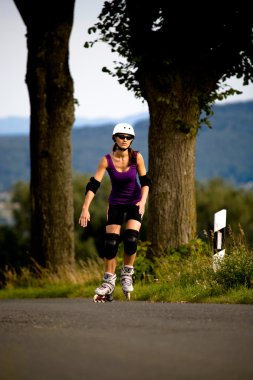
(112, 239)
(110, 264)
(115, 215)
(134, 225)
(130, 247)
(105, 291)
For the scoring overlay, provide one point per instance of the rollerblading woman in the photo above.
(126, 204)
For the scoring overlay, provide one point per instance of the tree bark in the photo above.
(52, 115)
(172, 203)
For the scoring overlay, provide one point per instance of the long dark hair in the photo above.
(131, 154)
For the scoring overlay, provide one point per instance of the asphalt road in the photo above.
(76, 339)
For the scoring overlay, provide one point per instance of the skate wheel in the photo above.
(103, 299)
(98, 299)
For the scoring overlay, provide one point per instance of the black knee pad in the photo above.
(111, 245)
(130, 240)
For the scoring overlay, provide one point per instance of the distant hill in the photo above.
(14, 160)
(226, 150)
(19, 126)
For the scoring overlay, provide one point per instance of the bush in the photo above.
(190, 264)
(236, 268)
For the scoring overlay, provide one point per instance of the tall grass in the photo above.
(237, 267)
(187, 273)
(181, 275)
(38, 282)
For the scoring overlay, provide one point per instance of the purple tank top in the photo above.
(125, 188)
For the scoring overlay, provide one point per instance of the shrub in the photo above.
(236, 268)
(190, 264)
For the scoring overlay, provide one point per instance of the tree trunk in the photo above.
(172, 204)
(52, 115)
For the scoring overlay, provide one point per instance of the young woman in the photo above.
(126, 203)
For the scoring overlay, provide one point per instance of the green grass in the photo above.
(184, 275)
(142, 292)
(49, 291)
(193, 294)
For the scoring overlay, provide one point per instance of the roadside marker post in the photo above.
(220, 219)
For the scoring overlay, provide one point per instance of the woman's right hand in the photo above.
(84, 218)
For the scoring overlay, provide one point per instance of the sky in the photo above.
(99, 95)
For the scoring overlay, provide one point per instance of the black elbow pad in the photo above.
(92, 185)
(145, 180)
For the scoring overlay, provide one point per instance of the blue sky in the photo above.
(99, 95)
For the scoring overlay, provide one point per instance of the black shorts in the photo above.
(116, 214)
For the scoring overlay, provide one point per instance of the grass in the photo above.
(142, 292)
(152, 292)
(42, 283)
(183, 275)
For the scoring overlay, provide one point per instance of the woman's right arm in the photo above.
(91, 188)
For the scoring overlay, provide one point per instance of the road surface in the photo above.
(65, 339)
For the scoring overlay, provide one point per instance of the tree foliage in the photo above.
(206, 46)
(176, 58)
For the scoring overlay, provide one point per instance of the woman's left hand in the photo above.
(141, 206)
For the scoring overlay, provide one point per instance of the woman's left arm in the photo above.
(142, 172)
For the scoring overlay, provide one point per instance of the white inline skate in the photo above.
(105, 292)
(126, 280)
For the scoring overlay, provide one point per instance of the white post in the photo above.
(219, 237)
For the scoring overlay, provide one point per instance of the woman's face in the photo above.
(123, 140)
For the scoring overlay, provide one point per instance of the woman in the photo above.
(127, 198)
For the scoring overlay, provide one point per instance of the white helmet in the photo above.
(123, 128)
